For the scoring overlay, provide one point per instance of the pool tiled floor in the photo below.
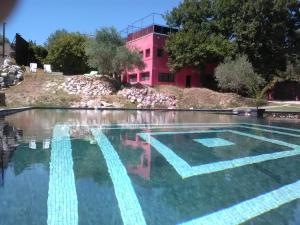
(213, 142)
(189, 174)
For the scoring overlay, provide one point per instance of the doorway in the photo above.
(188, 81)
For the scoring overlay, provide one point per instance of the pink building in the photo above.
(150, 42)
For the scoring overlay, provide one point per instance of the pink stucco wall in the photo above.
(156, 65)
(142, 44)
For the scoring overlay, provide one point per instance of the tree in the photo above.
(292, 72)
(195, 48)
(198, 40)
(107, 52)
(37, 53)
(66, 52)
(264, 30)
(238, 75)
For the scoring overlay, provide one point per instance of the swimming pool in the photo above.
(114, 167)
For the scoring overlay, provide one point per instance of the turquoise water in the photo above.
(113, 167)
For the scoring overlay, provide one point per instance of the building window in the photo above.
(141, 54)
(160, 52)
(145, 76)
(148, 52)
(133, 77)
(166, 77)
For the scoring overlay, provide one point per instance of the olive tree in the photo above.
(238, 75)
(108, 53)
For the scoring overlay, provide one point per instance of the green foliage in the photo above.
(191, 15)
(264, 30)
(107, 52)
(204, 33)
(238, 75)
(37, 53)
(292, 72)
(66, 52)
(189, 48)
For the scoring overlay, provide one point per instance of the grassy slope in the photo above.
(32, 92)
(205, 98)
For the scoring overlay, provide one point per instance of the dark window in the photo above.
(148, 52)
(145, 76)
(133, 77)
(141, 53)
(160, 52)
(166, 77)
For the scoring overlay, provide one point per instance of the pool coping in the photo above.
(9, 111)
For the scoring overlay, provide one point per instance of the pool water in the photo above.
(115, 167)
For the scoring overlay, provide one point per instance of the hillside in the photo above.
(48, 90)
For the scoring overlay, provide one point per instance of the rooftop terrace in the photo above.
(153, 23)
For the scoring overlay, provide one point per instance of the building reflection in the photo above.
(143, 168)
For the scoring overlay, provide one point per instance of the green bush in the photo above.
(238, 75)
(37, 54)
(66, 52)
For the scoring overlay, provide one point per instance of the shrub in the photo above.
(66, 52)
(238, 75)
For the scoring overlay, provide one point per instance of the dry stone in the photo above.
(90, 85)
(146, 97)
(10, 74)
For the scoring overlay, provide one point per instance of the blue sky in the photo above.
(37, 19)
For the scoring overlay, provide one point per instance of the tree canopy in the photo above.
(37, 53)
(211, 30)
(66, 52)
(108, 53)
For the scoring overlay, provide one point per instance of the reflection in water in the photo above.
(9, 137)
(39, 123)
(32, 144)
(143, 167)
(164, 196)
(46, 143)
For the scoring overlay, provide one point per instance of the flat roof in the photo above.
(158, 29)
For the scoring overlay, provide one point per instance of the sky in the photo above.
(36, 19)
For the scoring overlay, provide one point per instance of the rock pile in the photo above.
(90, 86)
(146, 97)
(10, 74)
(95, 103)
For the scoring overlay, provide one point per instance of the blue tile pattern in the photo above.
(246, 210)
(213, 142)
(251, 208)
(129, 206)
(186, 171)
(62, 197)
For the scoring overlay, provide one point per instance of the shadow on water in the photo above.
(9, 137)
